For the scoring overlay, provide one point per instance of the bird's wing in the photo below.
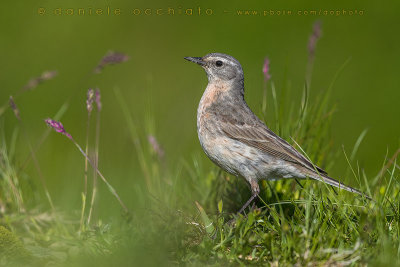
(265, 140)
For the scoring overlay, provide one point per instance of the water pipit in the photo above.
(235, 139)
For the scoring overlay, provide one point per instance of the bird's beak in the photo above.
(197, 60)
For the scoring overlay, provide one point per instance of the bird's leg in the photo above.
(255, 190)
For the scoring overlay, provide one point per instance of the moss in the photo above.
(11, 248)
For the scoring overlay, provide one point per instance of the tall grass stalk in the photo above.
(312, 44)
(58, 127)
(10, 182)
(267, 77)
(32, 152)
(110, 187)
(89, 108)
(135, 138)
(96, 153)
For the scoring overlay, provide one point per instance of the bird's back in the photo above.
(222, 112)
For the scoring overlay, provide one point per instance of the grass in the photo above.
(181, 209)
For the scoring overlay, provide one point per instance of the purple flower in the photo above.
(265, 69)
(316, 34)
(98, 99)
(111, 58)
(14, 108)
(89, 100)
(58, 127)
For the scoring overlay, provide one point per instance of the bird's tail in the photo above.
(333, 182)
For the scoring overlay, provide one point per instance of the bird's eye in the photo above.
(218, 63)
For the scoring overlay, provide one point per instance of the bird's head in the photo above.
(219, 67)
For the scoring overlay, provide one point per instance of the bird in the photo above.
(236, 140)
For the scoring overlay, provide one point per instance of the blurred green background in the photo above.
(164, 89)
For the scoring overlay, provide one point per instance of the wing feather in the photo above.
(262, 138)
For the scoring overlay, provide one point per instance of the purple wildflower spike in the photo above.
(111, 58)
(58, 127)
(265, 69)
(97, 99)
(14, 108)
(316, 34)
(89, 100)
